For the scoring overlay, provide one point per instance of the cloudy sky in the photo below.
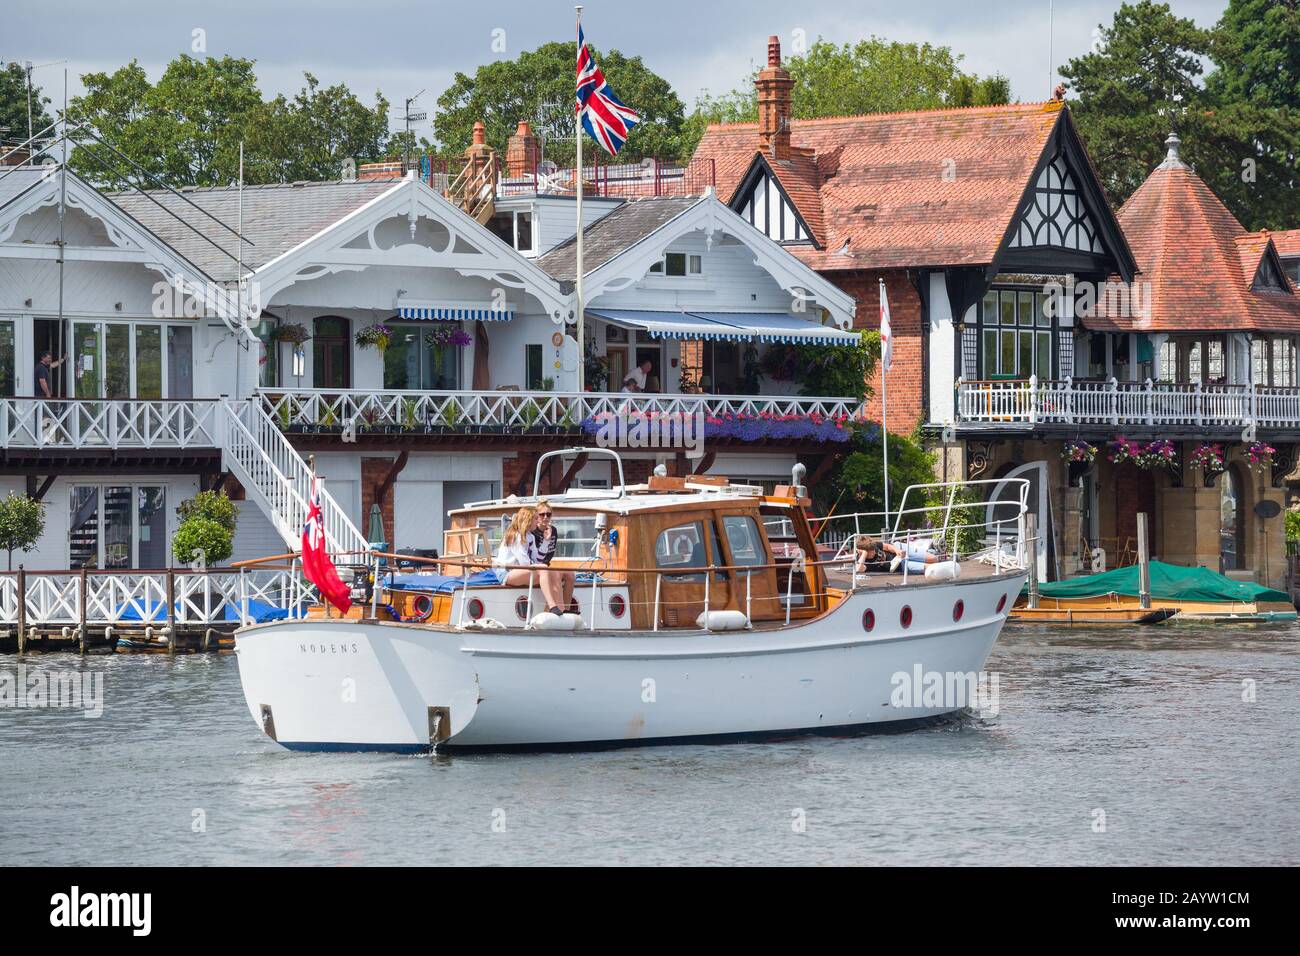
(403, 46)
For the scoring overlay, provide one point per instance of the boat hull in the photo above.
(380, 685)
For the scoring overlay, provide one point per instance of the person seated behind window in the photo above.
(515, 558)
(873, 555)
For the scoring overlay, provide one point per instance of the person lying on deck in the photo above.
(518, 553)
(875, 555)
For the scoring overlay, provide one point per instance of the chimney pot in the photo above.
(773, 51)
(774, 85)
(480, 133)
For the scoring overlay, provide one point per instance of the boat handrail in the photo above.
(579, 450)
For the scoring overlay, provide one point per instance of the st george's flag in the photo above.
(886, 333)
(603, 114)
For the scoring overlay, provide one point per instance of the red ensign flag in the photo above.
(316, 563)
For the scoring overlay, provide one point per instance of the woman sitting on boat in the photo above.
(875, 555)
(519, 553)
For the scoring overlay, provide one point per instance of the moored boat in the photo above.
(698, 616)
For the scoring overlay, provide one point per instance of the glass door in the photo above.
(118, 527)
(331, 353)
(180, 361)
(116, 536)
(87, 360)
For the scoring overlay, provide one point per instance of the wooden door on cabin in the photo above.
(687, 552)
(744, 546)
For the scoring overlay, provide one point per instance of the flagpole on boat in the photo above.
(884, 395)
(577, 138)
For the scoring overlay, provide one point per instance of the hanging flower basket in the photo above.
(1208, 458)
(1161, 453)
(447, 336)
(293, 333)
(376, 336)
(1078, 450)
(1123, 449)
(1260, 455)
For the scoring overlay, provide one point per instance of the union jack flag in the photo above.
(602, 113)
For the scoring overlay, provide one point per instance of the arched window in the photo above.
(1232, 526)
(331, 353)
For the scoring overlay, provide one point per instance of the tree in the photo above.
(861, 476)
(13, 104)
(214, 506)
(840, 370)
(185, 130)
(22, 522)
(870, 76)
(538, 87)
(315, 133)
(1143, 78)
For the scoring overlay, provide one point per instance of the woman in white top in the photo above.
(517, 557)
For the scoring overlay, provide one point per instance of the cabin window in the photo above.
(682, 546)
(576, 533)
(744, 541)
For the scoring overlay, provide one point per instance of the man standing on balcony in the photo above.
(44, 366)
(637, 377)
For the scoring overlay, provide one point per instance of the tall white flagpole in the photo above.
(577, 136)
(884, 399)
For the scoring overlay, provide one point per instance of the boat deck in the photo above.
(838, 576)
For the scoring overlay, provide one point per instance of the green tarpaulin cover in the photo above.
(1168, 582)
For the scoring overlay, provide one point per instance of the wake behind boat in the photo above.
(700, 612)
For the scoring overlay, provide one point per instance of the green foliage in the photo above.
(13, 104)
(870, 76)
(538, 86)
(1293, 524)
(215, 540)
(186, 128)
(841, 371)
(214, 506)
(22, 522)
(959, 540)
(1240, 127)
(857, 481)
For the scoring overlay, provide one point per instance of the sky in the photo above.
(400, 47)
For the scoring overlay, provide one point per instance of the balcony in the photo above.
(76, 424)
(519, 413)
(1030, 403)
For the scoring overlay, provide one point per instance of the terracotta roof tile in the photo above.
(1198, 260)
(881, 184)
(1288, 243)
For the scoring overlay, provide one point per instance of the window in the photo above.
(1273, 360)
(268, 358)
(1016, 335)
(744, 541)
(682, 546)
(515, 229)
(331, 353)
(1168, 366)
(766, 208)
(678, 264)
(148, 361)
(417, 358)
(533, 368)
(1055, 215)
(577, 533)
(7, 359)
(118, 527)
(180, 361)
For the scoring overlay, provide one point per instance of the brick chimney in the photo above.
(521, 152)
(774, 85)
(480, 154)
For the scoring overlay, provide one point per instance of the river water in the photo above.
(1132, 746)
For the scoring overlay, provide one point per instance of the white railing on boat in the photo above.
(139, 598)
(1068, 402)
(421, 411)
(108, 423)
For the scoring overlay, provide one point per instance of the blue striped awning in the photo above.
(727, 326)
(454, 315)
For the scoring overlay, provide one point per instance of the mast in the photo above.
(577, 136)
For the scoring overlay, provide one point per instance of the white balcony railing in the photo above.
(509, 410)
(1112, 403)
(108, 423)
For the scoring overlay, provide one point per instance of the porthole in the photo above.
(521, 607)
(905, 616)
(422, 606)
(474, 608)
(958, 609)
(1002, 602)
(617, 606)
(868, 619)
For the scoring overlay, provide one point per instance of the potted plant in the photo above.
(293, 332)
(22, 522)
(206, 534)
(377, 336)
(1208, 457)
(1078, 451)
(1259, 455)
(446, 336)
